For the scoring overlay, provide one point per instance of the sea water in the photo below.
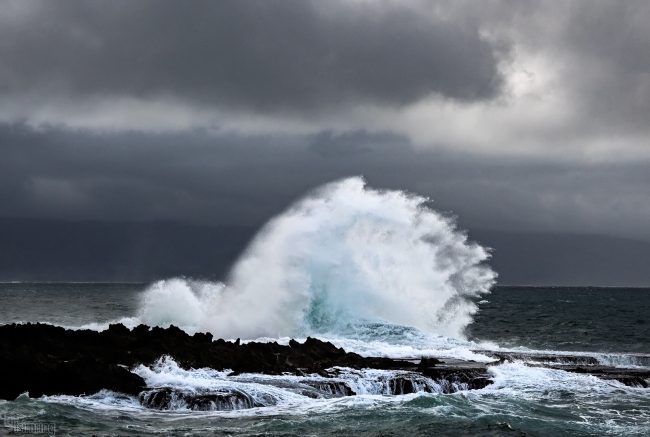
(376, 272)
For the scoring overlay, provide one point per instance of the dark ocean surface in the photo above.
(613, 322)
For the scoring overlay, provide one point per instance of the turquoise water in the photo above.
(524, 400)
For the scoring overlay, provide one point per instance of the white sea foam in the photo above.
(343, 254)
(641, 361)
(282, 388)
(519, 380)
(273, 394)
(166, 373)
(285, 394)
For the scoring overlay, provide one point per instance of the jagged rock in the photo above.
(45, 375)
(47, 360)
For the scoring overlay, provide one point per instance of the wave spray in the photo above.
(342, 255)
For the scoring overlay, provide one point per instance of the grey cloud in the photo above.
(273, 55)
(200, 177)
(298, 66)
(611, 44)
(340, 145)
(601, 50)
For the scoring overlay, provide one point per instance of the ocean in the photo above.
(610, 322)
(378, 273)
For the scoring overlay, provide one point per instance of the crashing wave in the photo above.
(342, 255)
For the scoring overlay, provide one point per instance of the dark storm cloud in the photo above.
(279, 55)
(199, 177)
(529, 78)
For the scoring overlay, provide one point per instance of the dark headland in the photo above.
(43, 359)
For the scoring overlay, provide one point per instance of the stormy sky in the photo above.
(529, 117)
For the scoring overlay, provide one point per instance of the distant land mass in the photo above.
(59, 250)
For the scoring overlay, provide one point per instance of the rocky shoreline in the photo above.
(48, 360)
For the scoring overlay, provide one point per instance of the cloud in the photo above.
(235, 179)
(289, 56)
(533, 79)
(526, 115)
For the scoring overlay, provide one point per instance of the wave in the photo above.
(344, 254)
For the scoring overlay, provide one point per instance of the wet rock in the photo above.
(167, 398)
(542, 358)
(48, 360)
(401, 385)
(426, 362)
(161, 399)
(455, 375)
(632, 376)
(629, 377)
(42, 375)
(331, 388)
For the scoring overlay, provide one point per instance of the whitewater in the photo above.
(345, 254)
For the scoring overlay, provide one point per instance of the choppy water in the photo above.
(566, 318)
(523, 400)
